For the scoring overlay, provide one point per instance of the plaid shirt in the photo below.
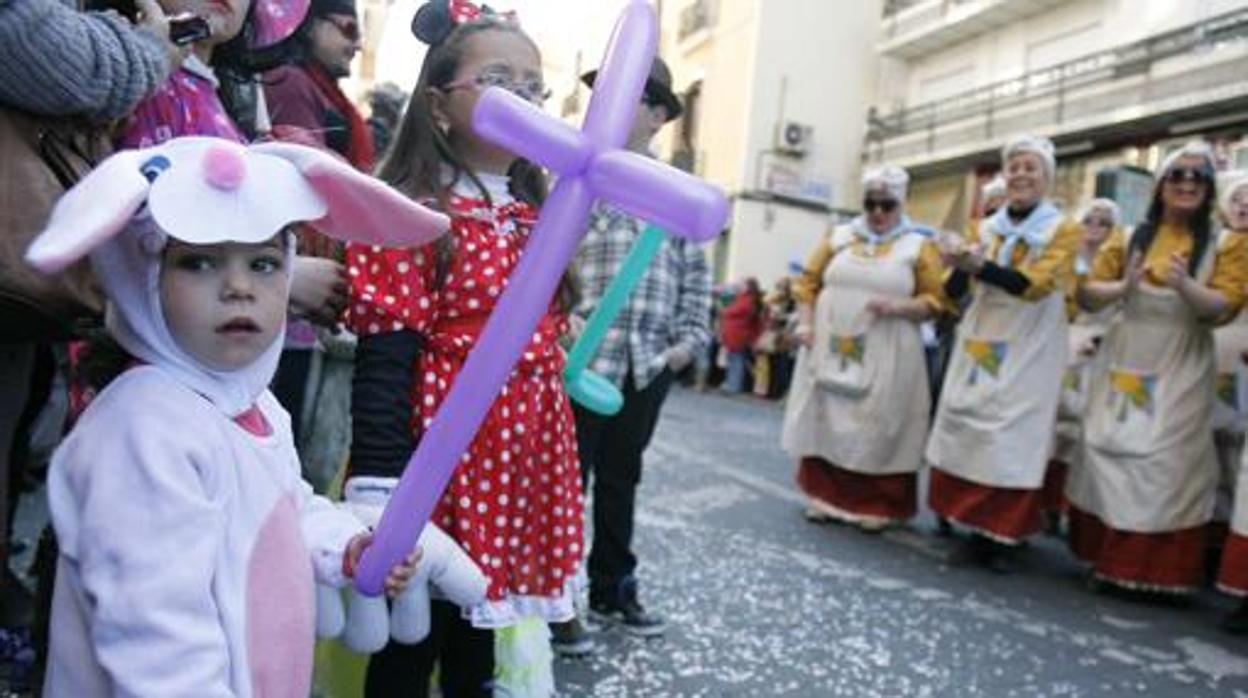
(670, 307)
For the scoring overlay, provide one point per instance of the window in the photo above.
(685, 156)
(698, 16)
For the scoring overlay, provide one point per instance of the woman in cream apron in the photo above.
(1099, 219)
(1140, 518)
(1232, 347)
(994, 427)
(857, 414)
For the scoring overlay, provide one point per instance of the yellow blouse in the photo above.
(1052, 270)
(929, 272)
(1230, 265)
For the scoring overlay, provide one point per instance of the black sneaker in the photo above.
(571, 639)
(631, 616)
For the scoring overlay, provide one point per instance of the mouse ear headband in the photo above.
(435, 20)
(206, 190)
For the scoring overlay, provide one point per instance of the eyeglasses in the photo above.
(530, 89)
(1188, 174)
(884, 205)
(1099, 222)
(349, 26)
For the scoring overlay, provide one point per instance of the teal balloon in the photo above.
(590, 390)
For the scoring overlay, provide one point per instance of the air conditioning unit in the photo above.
(793, 138)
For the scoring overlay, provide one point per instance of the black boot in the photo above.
(1000, 558)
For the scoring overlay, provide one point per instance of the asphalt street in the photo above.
(761, 602)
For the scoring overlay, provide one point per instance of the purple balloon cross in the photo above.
(590, 164)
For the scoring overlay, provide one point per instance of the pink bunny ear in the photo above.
(96, 209)
(361, 208)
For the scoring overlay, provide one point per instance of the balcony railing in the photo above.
(1101, 67)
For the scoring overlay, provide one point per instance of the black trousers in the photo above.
(464, 654)
(610, 449)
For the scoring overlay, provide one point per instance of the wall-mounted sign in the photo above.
(790, 179)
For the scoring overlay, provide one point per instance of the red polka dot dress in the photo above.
(514, 503)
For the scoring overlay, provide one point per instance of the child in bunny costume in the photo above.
(189, 543)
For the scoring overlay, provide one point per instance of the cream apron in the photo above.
(1149, 461)
(860, 395)
(999, 403)
(1230, 400)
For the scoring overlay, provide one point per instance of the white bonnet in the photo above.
(889, 178)
(1037, 145)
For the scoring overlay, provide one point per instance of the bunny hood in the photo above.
(204, 191)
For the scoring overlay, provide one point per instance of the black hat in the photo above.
(320, 8)
(658, 87)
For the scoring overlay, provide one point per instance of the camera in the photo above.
(184, 29)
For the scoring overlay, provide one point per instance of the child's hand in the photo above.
(399, 575)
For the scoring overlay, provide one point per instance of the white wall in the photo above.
(766, 238)
(816, 63)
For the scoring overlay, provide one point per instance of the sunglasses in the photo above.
(349, 26)
(530, 89)
(1188, 174)
(883, 205)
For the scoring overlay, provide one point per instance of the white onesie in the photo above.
(188, 547)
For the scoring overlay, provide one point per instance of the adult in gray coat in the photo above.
(56, 61)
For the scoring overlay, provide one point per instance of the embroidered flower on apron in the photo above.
(1131, 392)
(850, 349)
(988, 357)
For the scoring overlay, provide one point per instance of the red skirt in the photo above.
(1173, 561)
(1233, 577)
(893, 497)
(1002, 514)
(1053, 494)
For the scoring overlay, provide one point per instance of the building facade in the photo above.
(776, 93)
(1117, 84)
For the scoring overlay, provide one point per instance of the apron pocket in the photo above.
(845, 369)
(1127, 418)
(980, 374)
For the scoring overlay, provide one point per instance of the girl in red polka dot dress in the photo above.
(514, 503)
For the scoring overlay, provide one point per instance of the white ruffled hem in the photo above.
(1145, 586)
(1232, 591)
(994, 537)
(849, 517)
(514, 608)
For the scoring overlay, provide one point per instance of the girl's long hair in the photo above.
(416, 160)
(1201, 223)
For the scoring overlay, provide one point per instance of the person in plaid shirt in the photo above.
(664, 325)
